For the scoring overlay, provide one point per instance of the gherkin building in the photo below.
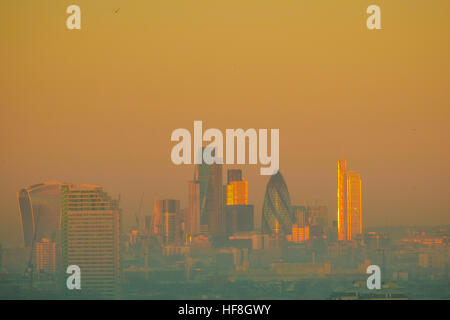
(277, 213)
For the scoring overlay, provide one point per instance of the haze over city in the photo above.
(98, 106)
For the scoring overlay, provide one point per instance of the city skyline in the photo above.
(47, 185)
(297, 242)
(98, 105)
(215, 209)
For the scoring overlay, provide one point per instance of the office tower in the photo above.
(39, 209)
(239, 218)
(90, 239)
(299, 234)
(354, 217)
(211, 193)
(276, 216)
(238, 214)
(349, 213)
(193, 215)
(301, 223)
(236, 189)
(234, 175)
(342, 199)
(167, 221)
(45, 256)
(237, 193)
(309, 222)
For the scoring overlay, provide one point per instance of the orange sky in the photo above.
(98, 105)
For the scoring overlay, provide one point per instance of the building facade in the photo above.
(349, 212)
(90, 239)
(354, 216)
(40, 211)
(210, 198)
(167, 221)
(342, 199)
(277, 214)
(45, 257)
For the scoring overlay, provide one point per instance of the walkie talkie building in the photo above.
(39, 208)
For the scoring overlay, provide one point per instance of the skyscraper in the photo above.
(90, 239)
(300, 224)
(354, 216)
(238, 214)
(167, 221)
(236, 189)
(239, 218)
(237, 193)
(211, 193)
(277, 214)
(39, 209)
(193, 213)
(341, 199)
(349, 213)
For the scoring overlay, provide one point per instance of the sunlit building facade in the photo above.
(349, 213)
(354, 216)
(341, 199)
(299, 234)
(237, 193)
(277, 214)
(238, 213)
(90, 239)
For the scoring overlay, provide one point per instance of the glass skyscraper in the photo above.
(238, 213)
(39, 209)
(349, 213)
(354, 216)
(277, 214)
(341, 199)
(211, 195)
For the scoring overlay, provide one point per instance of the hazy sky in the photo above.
(98, 105)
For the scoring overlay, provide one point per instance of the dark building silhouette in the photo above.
(234, 175)
(167, 221)
(239, 218)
